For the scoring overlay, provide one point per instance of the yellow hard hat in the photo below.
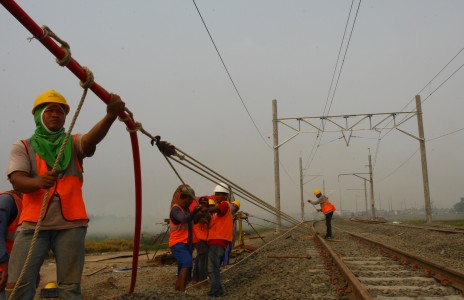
(51, 96)
(236, 202)
(51, 285)
(316, 192)
(211, 202)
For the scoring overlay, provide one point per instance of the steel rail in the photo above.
(438, 229)
(357, 288)
(445, 275)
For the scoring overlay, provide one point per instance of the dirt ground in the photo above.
(108, 275)
(257, 276)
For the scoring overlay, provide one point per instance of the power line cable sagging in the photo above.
(230, 76)
(194, 165)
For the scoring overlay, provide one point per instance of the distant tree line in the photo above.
(459, 207)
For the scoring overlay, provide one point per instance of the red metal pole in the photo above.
(77, 70)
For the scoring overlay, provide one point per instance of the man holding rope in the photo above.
(65, 220)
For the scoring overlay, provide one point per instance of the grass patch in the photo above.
(456, 223)
(414, 222)
(111, 245)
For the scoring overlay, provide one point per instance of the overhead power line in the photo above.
(446, 134)
(314, 149)
(230, 77)
(338, 58)
(441, 84)
(344, 57)
(330, 87)
(418, 93)
(442, 69)
(429, 140)
(399, 167)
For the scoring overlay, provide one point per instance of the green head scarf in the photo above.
(47, 144)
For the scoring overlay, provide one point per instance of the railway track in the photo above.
(372, 270)
(297, 264)
(438, 228)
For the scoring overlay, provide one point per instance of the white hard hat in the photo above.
(221, 188)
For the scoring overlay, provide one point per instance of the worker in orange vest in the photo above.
(181, 233)
(219, 237)
(10, 210)
(64, 224)
(327, 208)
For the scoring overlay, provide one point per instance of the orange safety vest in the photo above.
(68, 187)
(327, 206)
(200, 231)
(221, 228)
(11, 229)
(178, 233)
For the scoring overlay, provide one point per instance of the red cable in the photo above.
(77, 70)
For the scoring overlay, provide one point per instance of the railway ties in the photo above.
(387, 274)
(385, 278)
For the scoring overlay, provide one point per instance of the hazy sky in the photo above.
(158, 56)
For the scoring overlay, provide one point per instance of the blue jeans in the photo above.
(215, 254)
(183, 254)
(226, 258)
(68, 246)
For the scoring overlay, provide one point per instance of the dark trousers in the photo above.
(328, 223)
(200, 264)
(215, 254)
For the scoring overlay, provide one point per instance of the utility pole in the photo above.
(380, 203)
(365, 190)
(365, 198)
(425, 175)
(301, 190)
(342, 123)
(372, 186)
(275, 133)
